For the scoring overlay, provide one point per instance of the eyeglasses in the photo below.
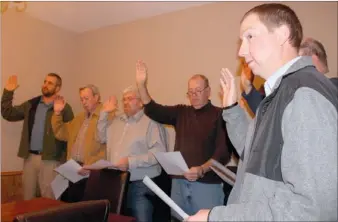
(197, 92)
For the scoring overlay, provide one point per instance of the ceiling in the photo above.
(84, 16)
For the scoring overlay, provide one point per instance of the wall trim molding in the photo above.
(11, 173)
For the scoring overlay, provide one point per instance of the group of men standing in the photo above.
(288, 153)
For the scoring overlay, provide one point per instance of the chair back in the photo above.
(108, 184)
(87, 211)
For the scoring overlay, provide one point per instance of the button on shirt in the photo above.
(36, 142)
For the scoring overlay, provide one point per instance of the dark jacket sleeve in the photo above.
(253, 99)
(10, 112)
(222, 152)
(162, 114)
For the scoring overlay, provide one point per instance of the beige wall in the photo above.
(175, 46)
(31, 48)
(179, 44)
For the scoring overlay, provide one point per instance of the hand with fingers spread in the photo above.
(228, 84)
(12, 83)
(110, 105)
(59, 104)
(141, 73)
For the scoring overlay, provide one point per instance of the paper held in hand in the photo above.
(70, 171)
(172, 162)
(152, 186)
(59, 185)
(223, 172)
(100, 164)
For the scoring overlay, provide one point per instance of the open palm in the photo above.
(110, 105)
(12, 83)
(229, 87)
(141, 72)
(59, 104)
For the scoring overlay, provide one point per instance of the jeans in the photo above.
(194, 196)
(139, 201)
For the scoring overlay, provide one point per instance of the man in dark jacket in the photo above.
(39, 148)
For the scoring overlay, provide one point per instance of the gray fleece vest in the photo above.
(267, 143)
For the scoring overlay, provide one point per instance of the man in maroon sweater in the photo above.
(200, 137)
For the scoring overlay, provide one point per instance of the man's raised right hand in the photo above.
(141, 73)
(12, 83)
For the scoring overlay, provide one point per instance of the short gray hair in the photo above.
(311, 47)
(133, 89)
(93, 88)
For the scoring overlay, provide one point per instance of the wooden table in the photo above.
(10, 210)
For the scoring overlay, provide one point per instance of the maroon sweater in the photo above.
(200, 133)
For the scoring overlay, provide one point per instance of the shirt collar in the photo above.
(46, 104)
(271, 82)
(205, 107)
(134, 118)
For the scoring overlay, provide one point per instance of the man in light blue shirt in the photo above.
(131, 139)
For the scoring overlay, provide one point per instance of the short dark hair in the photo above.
(274, 15)
(311, 47)
(58, 78)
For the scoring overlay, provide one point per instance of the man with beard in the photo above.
(39, 148)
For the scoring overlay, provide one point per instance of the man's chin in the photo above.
(48, 95)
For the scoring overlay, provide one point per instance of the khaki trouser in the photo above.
(37, 177)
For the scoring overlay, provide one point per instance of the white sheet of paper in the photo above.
(70, 171)
(223, 169)
(172, 162)
(222, 176)
(59, 185)
(100, 164)
(151, 185)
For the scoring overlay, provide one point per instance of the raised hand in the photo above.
(110, 105)
(59, 104)
(12, 83)
(229, 87)
(141, 72)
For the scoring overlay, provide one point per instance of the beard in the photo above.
(47, 93)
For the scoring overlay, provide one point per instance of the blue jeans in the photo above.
(194, 196)
(139, 201)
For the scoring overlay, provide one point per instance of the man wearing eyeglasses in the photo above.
(200, 136)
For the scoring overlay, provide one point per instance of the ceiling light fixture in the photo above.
(20, 6)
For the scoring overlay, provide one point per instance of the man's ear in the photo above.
(283, 34)
(317, 63)
(97, 98)
(58, 88)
